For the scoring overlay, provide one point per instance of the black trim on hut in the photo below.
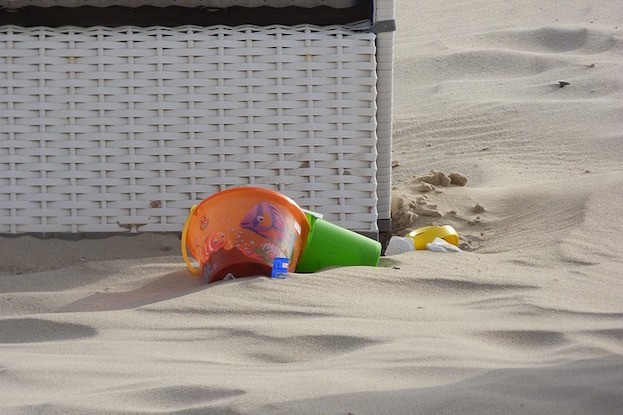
(172, 16)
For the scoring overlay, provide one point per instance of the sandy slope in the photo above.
(528, 320)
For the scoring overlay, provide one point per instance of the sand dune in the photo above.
(528, 319)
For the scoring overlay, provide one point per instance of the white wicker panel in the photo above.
(384, 10)
(103, 129)
(384, 117)
(184, 3)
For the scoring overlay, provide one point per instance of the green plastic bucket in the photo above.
(329, 245)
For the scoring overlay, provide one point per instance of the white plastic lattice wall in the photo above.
(103, 129)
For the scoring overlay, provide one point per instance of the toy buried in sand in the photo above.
(329, 245)
(241, 231)
(423, 236)
(434, 238)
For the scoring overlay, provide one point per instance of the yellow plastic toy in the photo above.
(427, 234)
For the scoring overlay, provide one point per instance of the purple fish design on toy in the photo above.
(265, 220)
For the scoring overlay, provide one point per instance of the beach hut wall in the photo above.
(112, 120)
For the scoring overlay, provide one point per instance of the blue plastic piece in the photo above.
(280, 267)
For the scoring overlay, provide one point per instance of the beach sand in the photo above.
(528, 319)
